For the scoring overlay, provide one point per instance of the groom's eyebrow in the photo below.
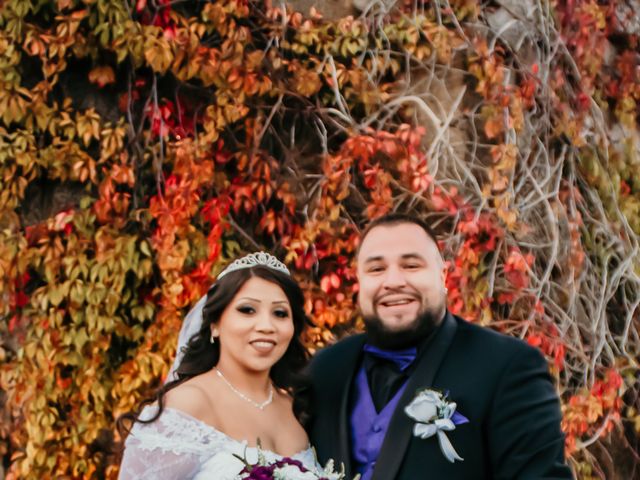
(412, 256)
(405, 256)
(377, 258)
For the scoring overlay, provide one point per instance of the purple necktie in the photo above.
(402, 358)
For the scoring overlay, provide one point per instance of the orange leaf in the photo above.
(102, 76)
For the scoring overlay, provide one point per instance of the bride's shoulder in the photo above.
(192, 398)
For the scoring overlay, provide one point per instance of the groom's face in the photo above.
(401, 276)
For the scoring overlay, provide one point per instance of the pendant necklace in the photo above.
(259, 406)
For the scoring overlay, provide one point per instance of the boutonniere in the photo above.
(434, 415)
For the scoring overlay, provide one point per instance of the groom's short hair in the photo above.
(392, 219)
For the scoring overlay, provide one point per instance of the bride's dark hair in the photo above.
(200, 355)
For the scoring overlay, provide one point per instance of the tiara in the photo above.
(254, 260)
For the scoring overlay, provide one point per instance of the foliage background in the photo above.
(144, 143)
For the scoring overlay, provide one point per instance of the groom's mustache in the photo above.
(410, 292)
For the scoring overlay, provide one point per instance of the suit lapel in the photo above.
(400, 429)
(345, 374)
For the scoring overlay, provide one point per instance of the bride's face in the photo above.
(256, 327)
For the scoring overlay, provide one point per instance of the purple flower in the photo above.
(259, 472)
(265, 472)
(290, 461)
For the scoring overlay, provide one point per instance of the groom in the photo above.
(506, 423)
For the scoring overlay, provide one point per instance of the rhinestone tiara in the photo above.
(253, 260)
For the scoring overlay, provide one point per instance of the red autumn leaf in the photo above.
(506, 298)
(558, 358)
(534, 340)
(13, 323)
(63, 383)
(584, 101)
(516, 268)
(438, 201)
(625, 190)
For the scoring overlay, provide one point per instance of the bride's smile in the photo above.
(263, 345)
(255, 329)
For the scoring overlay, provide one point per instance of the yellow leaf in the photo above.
(55, 296)
(80, 339)
(158, 53)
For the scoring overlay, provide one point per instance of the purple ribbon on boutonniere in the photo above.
(458, 419)
(434, 415)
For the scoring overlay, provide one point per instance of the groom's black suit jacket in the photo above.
(499, 383)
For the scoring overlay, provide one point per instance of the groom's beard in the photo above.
(422, 326)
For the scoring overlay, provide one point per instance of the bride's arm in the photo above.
(143, 463)
(171, 447)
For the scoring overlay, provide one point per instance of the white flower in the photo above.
(432, 414)
(329, 472)
(424, 408)
(291, 472)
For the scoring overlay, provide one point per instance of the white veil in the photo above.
(190, 326)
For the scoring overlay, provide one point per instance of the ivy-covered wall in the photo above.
(144, 143)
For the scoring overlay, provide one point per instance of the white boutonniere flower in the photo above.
(434, 415)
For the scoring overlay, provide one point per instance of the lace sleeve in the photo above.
(173, 447)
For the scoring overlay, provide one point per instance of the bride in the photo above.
(233, 387)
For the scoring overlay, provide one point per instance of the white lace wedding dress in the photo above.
(179, 446)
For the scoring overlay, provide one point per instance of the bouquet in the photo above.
(287, 469)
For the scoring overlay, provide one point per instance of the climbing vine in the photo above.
(145, 143)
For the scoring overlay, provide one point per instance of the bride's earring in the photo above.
(213, 336)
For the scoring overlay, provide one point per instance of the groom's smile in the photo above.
(401, 276)
(398, 307)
